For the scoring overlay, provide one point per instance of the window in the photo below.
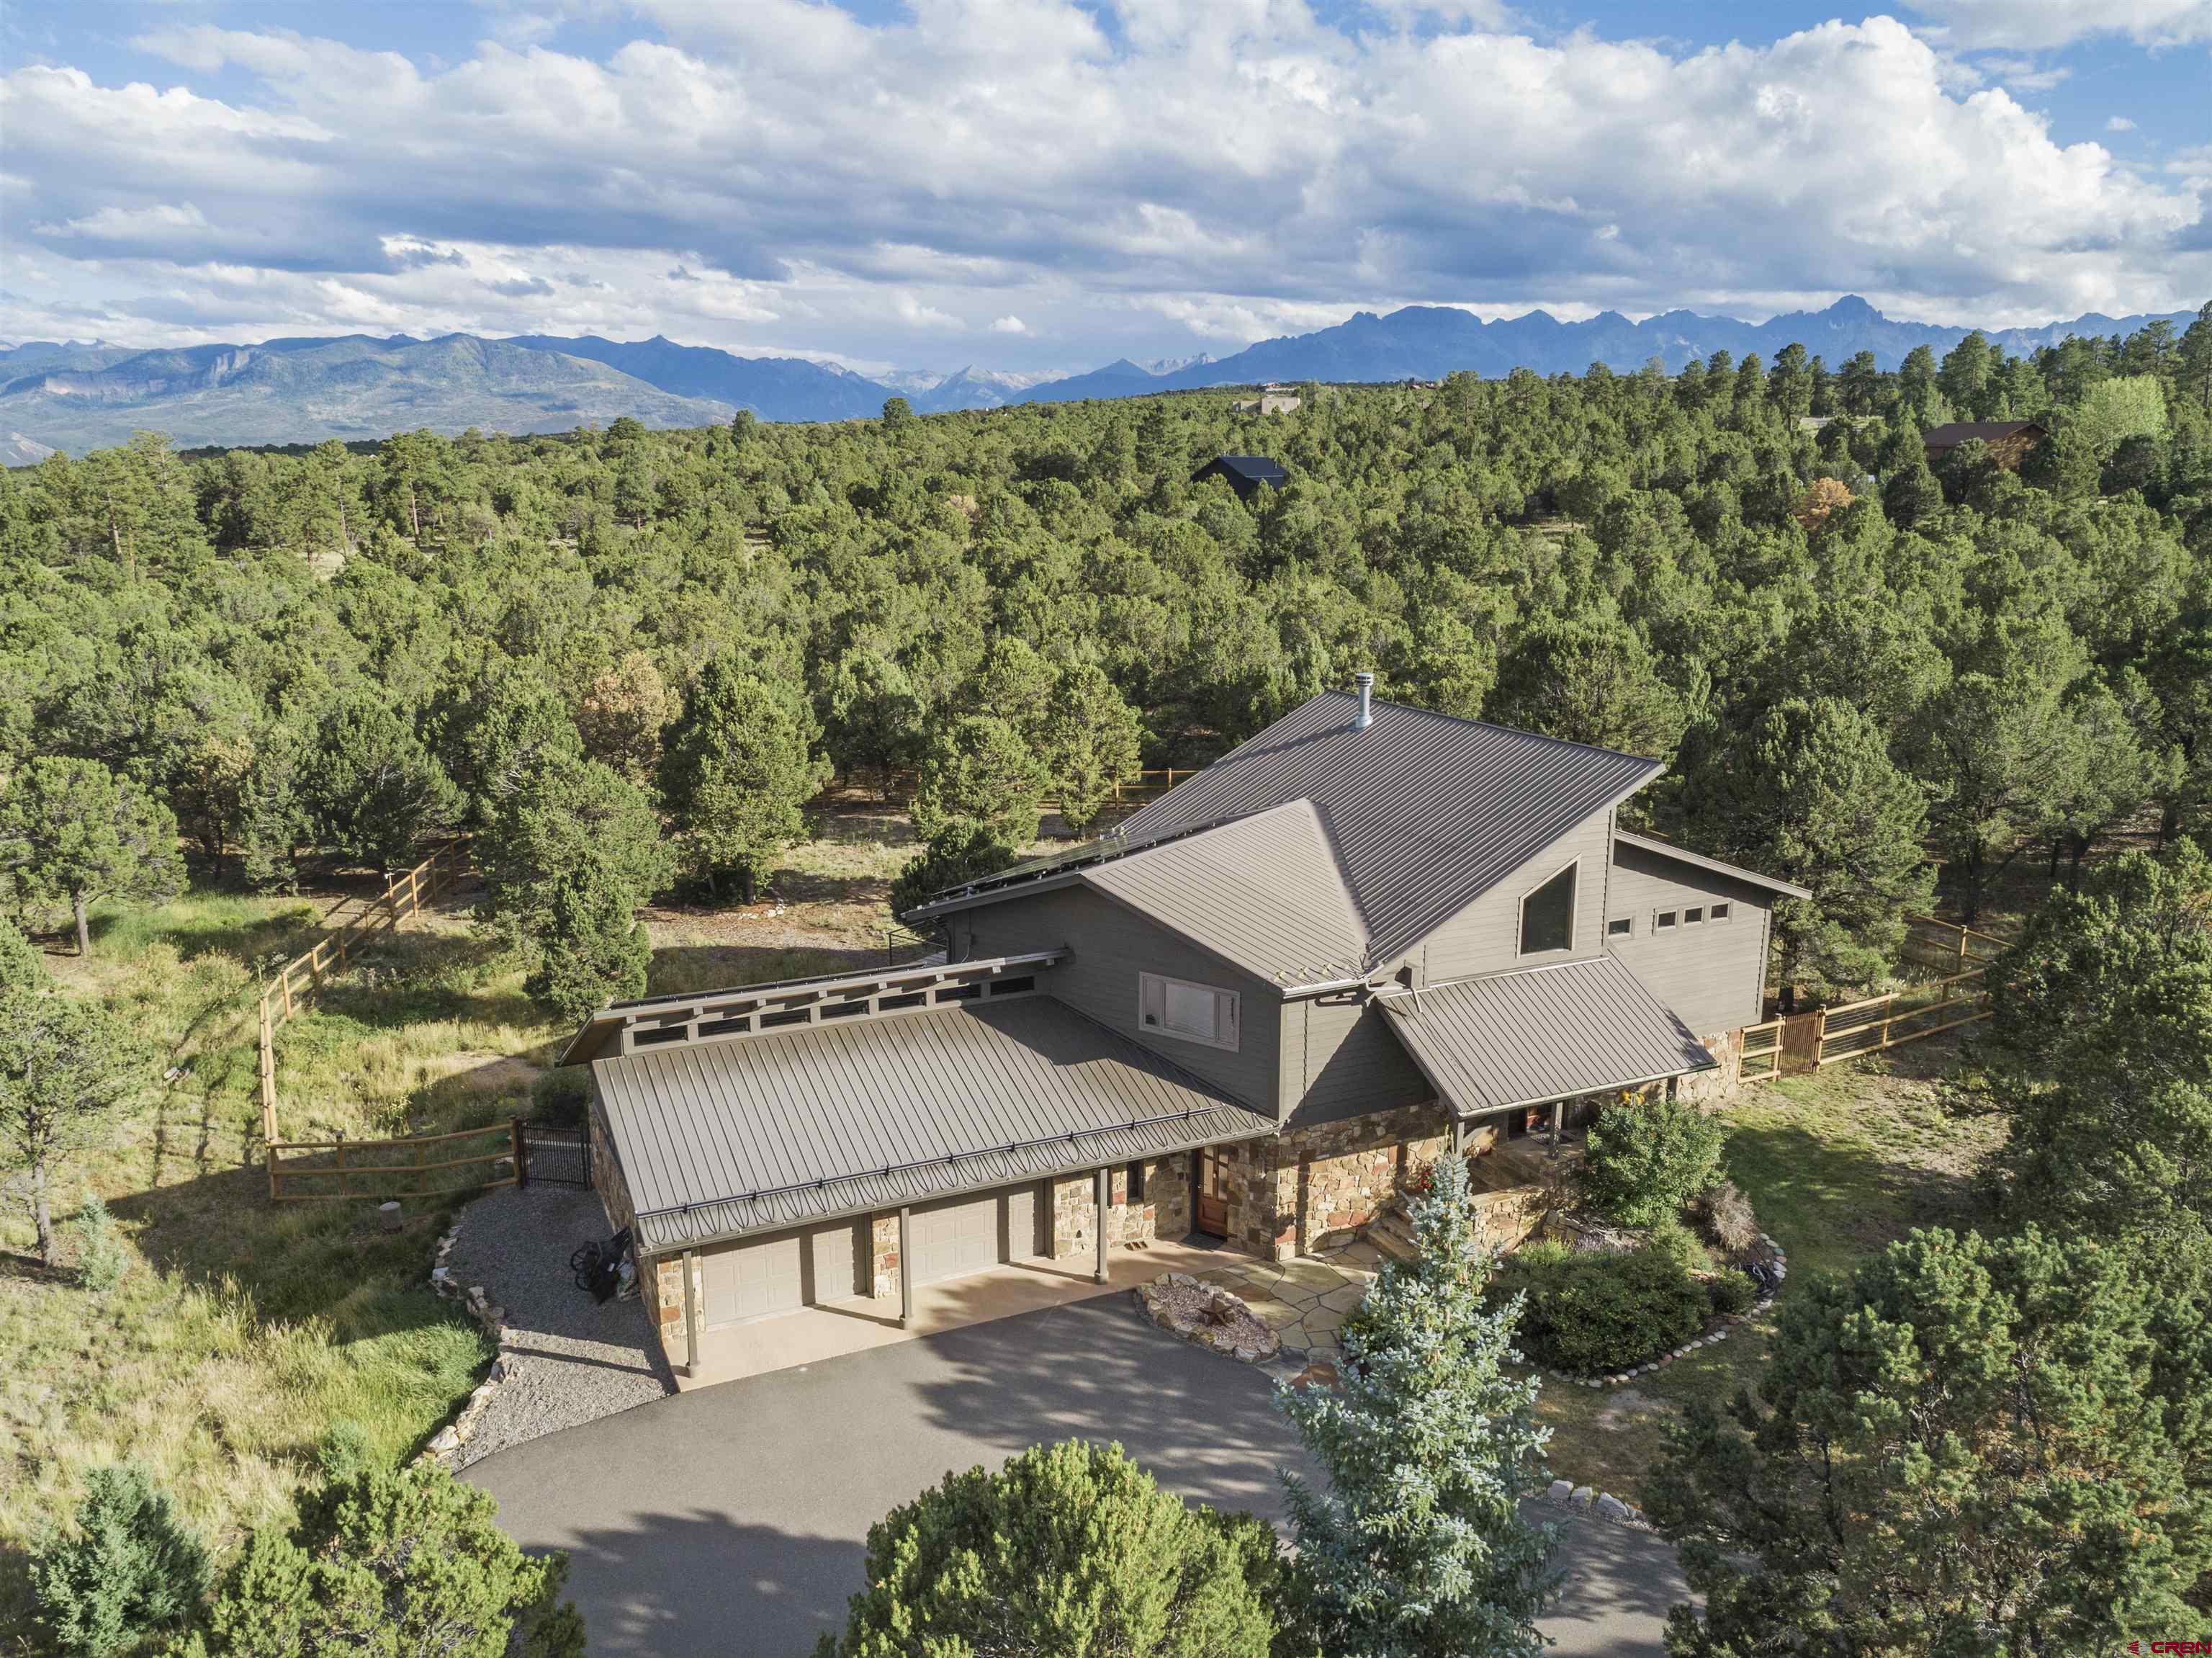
(1548, 915)
(1720, 911)
(1694, 917)
(1663, 921)
(1621, 927)
(1196, 1013)
(1135, 1176)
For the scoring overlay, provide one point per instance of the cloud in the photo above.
(2039, 25)
(2119, 124)
(782, 176)
(2023, 74)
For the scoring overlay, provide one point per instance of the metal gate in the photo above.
(558, 1156)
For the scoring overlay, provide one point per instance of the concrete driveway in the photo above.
(733, 1520)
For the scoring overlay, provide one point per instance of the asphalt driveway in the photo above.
(732, 1520)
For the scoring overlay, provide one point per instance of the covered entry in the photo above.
(810, 1266)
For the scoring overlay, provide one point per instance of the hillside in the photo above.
(304, 391)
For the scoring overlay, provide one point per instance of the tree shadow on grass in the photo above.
(694, 969)
(1827, 1200)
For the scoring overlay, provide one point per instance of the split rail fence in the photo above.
(308, 1170)
(1829, 1036)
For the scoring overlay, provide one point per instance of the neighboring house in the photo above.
(1247, 474)
(1368, 934)
(2008, 440)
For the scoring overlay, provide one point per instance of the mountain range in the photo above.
(76, 396)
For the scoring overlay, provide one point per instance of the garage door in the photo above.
(966, 1234)
(783, 1272)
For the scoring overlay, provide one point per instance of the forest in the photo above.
(626, 658)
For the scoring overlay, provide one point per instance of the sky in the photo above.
(1042, 185)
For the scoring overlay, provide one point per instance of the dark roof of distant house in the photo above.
(1517, 1038)
(720, 1139)
(1968, 431)
(1423, 812)
(1252, 468)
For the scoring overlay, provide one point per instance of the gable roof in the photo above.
(1519, 1038)
(1264, 892)
(1667, 849)
(720, 1139)
(1253, 469)
(1424, 812)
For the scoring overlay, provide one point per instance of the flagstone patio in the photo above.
(1303, 1300)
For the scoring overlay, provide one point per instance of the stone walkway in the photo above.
(1303, 1300)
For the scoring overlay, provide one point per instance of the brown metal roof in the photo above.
(1667, 849)
(1264, 892)
(721, 1139)
(1425, 812)
(1965, 431)
(1518, 1039)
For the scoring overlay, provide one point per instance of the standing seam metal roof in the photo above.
(1265, 893)
(1517, 1039)
(1426, 812)
(720, 1139)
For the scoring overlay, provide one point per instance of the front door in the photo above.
(1213, 1191)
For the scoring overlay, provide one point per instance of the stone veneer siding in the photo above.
(1311, 1188)
(1712, 1086)
(1165, 1213)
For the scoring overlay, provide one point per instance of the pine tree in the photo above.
(74, 833)
(1092, 739)
(1415, 1545)
(735, 771)
(66, 1066)
(979, 774)
(129, 1568)
(1972, 1446)
(1592, 679)
(22, 964)
(373, 792)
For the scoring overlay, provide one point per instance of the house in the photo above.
(1368, 934)
(2008, 440)
(1245, 473)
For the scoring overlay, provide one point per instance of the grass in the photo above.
(1838, 1164)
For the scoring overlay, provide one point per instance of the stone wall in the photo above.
(1710, 1087)
(883, 1255)
(662, 1291)
(1345, 1172)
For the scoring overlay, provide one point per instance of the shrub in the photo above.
(129, 1568)
(1730, 1291)
(389, 1560)
(1645, 1161)
(1068, 1548)
(1590, 1312)
(101, 1259)
(562, 1096)
(1728, 1218)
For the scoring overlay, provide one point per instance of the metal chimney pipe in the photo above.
(1366, 684)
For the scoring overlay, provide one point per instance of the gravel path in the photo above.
(568, 1359)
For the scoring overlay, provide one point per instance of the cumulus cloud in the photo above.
(784, 176)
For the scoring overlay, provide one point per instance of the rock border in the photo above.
(1587, 1499)
(1207, 1335)
(1719, 1330)
(446, 1444)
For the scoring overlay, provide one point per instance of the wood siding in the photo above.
(1712, 975)
(1108, 945)
(1340, 1060)
(1486, 936)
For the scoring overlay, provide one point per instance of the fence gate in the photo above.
(558, 1156)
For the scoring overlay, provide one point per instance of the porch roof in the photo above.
(1519, 1038)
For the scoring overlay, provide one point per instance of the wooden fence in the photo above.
(1829, 1036)
(379, 1169)
(294, 984)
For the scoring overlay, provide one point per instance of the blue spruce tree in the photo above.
(1416, 1546)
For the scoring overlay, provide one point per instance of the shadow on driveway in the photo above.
(733, 1520)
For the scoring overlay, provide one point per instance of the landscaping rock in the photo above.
(1209, 1316)
(1562, 1490)
(445, 1441)
(1582, 1497)
(1614, 1508)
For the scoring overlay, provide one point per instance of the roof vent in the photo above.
(1366, 684)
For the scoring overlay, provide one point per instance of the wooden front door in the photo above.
(1212, 1215)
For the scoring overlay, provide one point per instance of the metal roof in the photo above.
(1965, 431)
(1682, 855)
(1426, 812)
(1518, 1039)
(721, 1139)
(1264, 892)
(1252, 468)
